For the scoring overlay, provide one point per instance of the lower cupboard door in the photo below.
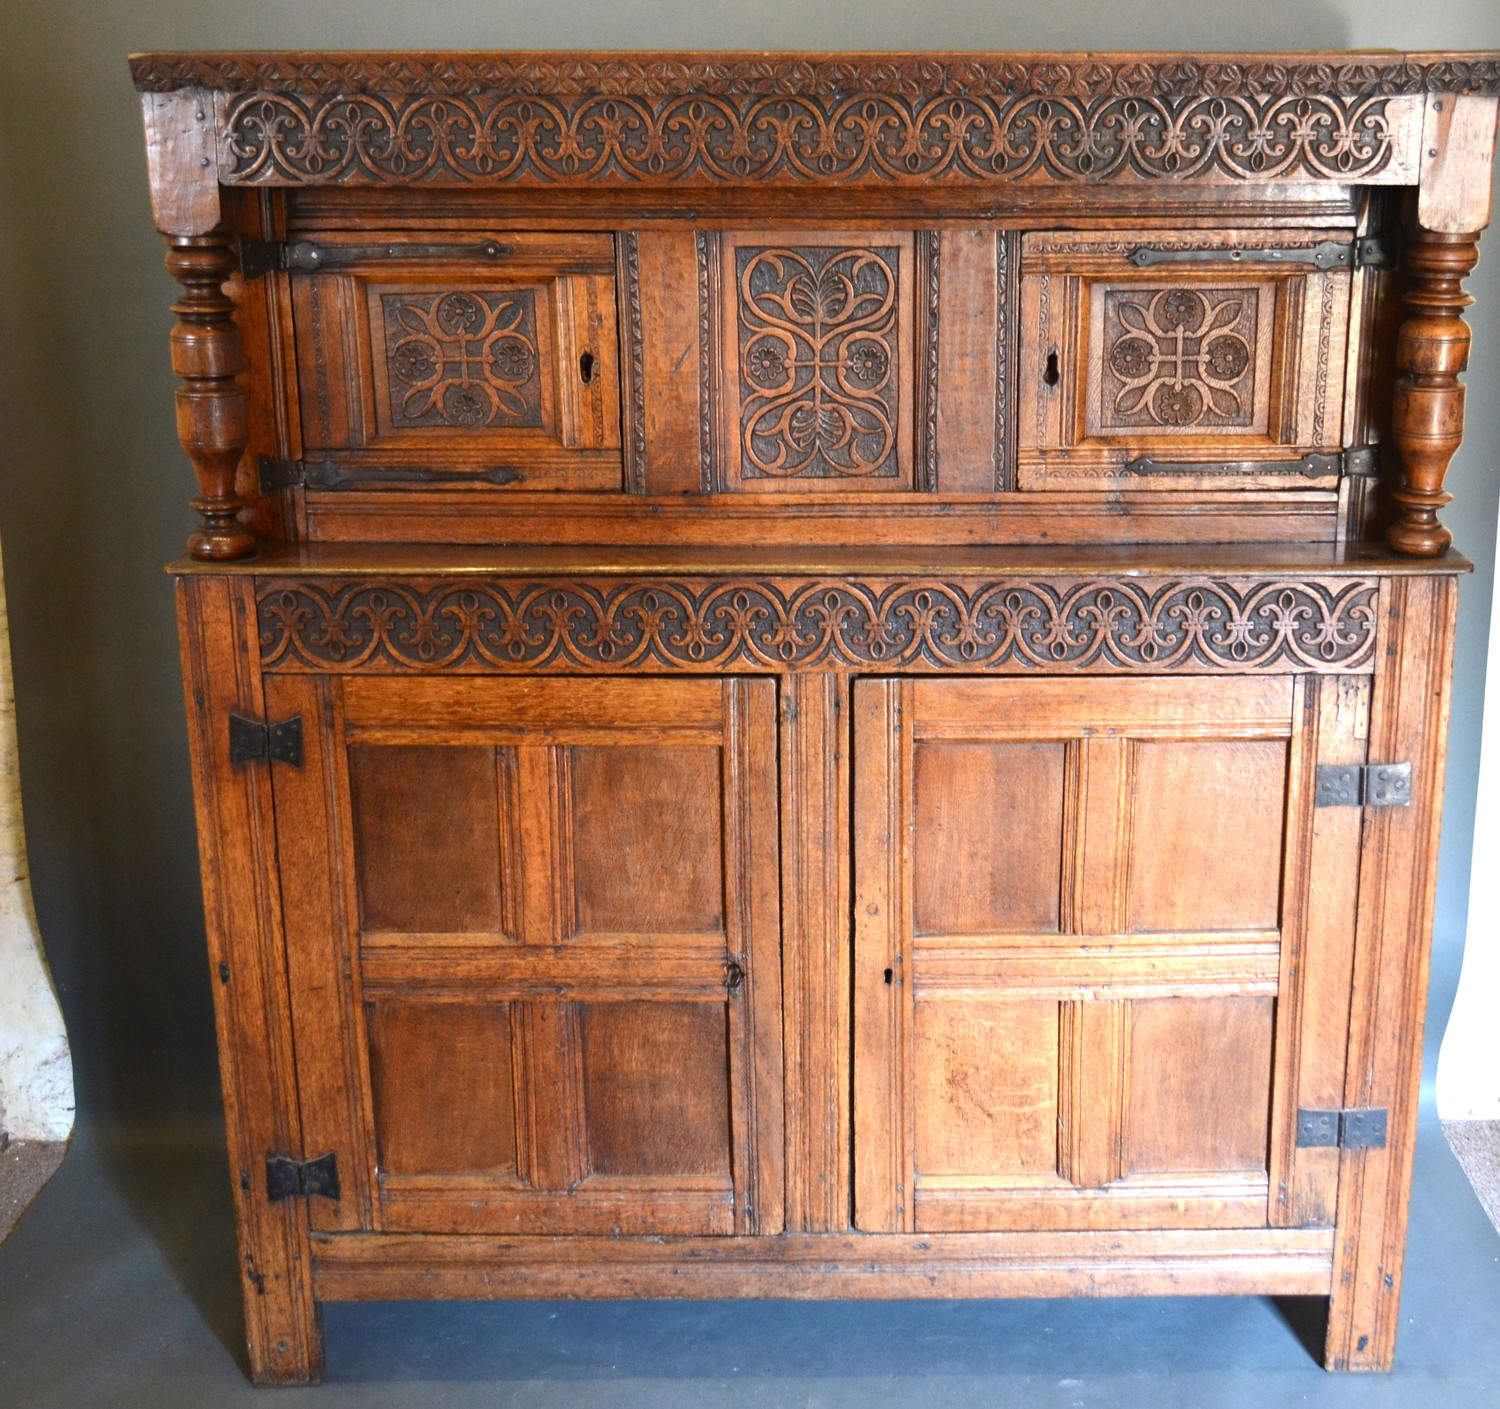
(1103, 950)
(533, 949)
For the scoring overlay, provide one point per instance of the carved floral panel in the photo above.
(818, 361)
(462, 360)
(1179, 359)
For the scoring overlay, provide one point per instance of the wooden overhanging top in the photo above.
(638, 121)
(656, 76)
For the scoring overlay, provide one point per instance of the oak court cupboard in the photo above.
(818, 675)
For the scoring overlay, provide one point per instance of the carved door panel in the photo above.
(1100, 931)
(533, 938)
(458, 359)
(1182, 360)
(826, 347)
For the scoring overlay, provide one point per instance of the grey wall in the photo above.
(93, 489)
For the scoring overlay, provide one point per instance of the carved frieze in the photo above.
(909, 76)
(1013, 625)
(790, 137)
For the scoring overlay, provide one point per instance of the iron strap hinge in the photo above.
(1319, 464)
(288, 1178)
(1360, 1129)
(1363, 785)
(258, 257)
(332, 474)
(1368, 252)
(251, 741)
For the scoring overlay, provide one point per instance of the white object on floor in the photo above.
(36, 1071)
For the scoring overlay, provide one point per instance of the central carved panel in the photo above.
(1179, 358)
(818, 354)
(463, 360)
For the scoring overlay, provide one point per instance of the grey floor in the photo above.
(25, 1168)
(118, 1288)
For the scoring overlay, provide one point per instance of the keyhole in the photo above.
(586, 368)
(1052, 376)
(888, 976)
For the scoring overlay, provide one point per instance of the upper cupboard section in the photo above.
(889, 363)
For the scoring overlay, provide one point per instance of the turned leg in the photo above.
(212, 406)
(1428, 407)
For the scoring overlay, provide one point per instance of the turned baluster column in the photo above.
(212, 406)
(1428, 407)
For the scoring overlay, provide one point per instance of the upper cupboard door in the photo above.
(1179, 360)
(533, 948)
(453, 357)
(1102, 938)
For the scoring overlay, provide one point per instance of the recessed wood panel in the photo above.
(1199, 1085)
(989, 821)
(647, 838)
(442, 1086)
(426, 837)
(986, 1087)
(656, 1082)
(1206, 842)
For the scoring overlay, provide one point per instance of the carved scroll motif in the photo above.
(791, 137)
(1013, 625)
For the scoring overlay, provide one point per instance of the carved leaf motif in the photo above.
(1225, 315)
(411, 319)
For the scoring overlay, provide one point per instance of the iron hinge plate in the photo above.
(251, 741)
(1381, 250)
(1363, 1128)
(288, 1178)
(1363, 785)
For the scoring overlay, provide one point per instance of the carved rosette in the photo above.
(1013, 625)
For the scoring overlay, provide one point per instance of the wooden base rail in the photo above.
(1281, 1262)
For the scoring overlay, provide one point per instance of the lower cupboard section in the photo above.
(1262, 1261)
